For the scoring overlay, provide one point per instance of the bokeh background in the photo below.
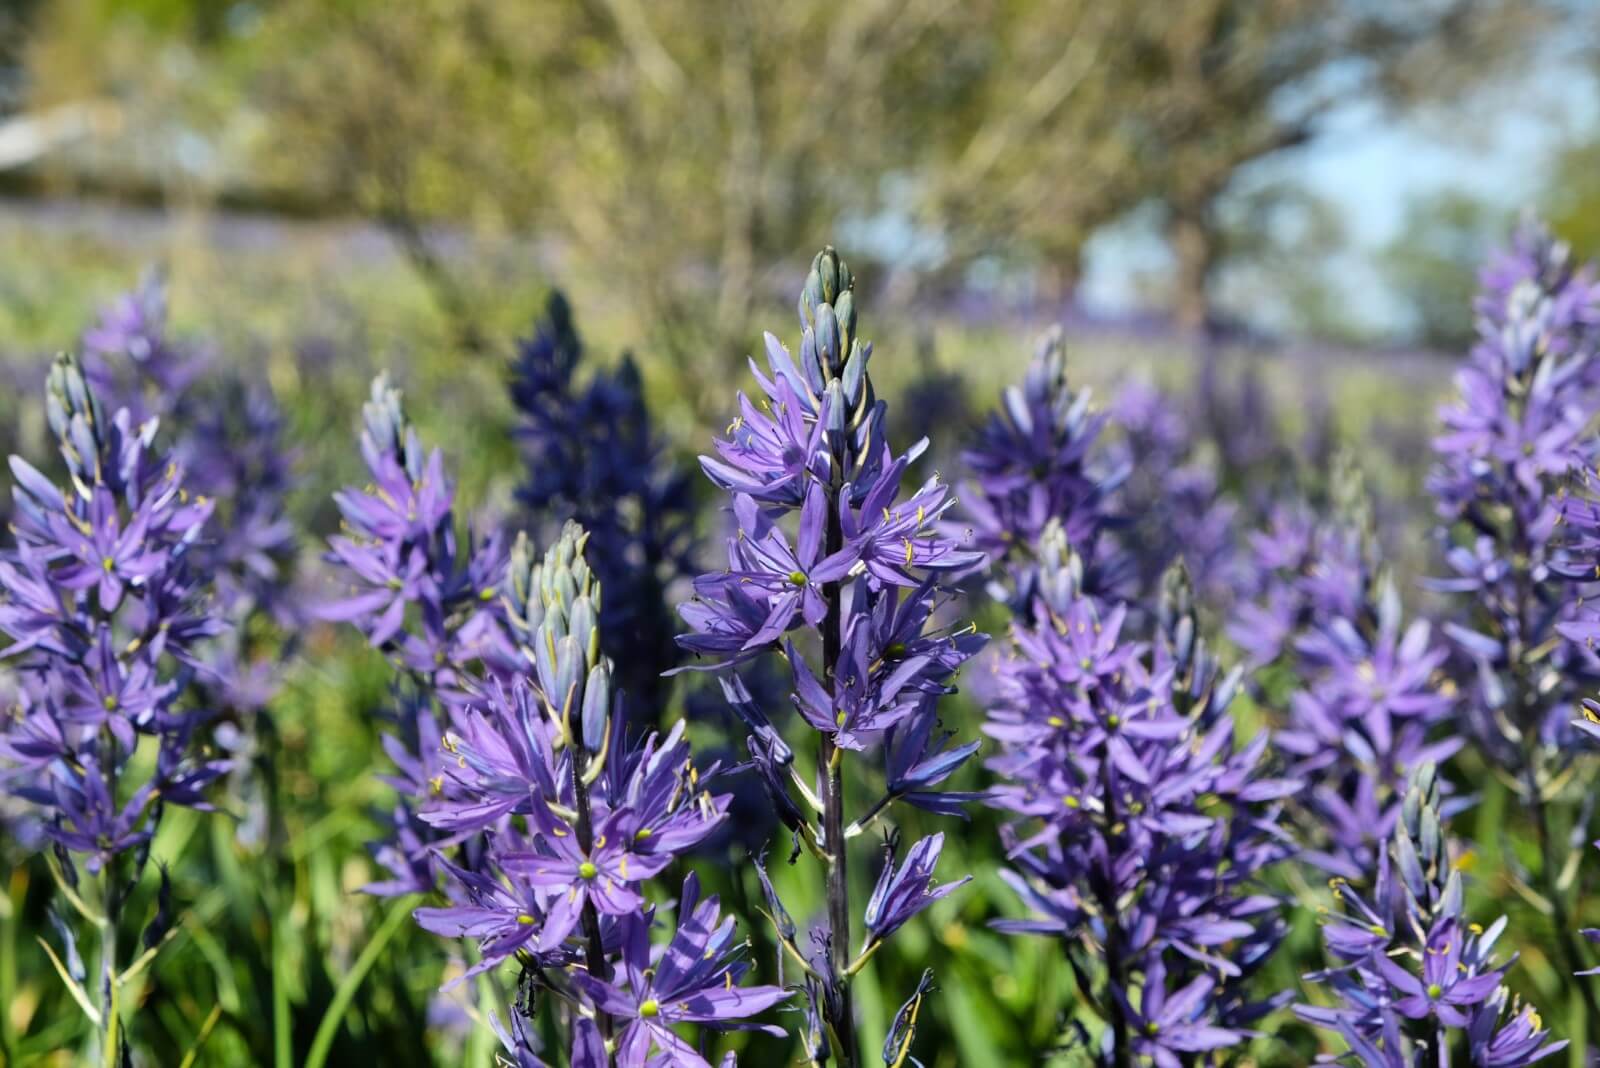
(1273, 209)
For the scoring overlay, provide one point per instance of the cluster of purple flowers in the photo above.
(592, 456)
(837, 572)
(1416, 982)
(1039, 459)
(1368, 697)
(576, 823)
(1171, 506)
(1517, 440)
(1516, 436)
(522, 799)
(433, 606)
(1128, 486)
(415, 591)
(107, 608)
(227, 432)
(1140, 833)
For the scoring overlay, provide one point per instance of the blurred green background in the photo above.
(341, 186)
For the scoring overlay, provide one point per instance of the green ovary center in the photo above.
(1434, 990)
(798, 578)
(650, 1009)
(587, 870)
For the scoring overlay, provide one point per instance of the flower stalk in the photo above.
(836, 575)
(1519, 543)
(517, 746)
(111, 1038)
(110, 613)
(841, 1013)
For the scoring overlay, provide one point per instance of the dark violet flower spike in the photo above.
(592, 455)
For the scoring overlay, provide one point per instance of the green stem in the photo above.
(15, 893)
(282, 1040)
(110, 1045)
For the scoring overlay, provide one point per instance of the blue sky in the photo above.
(1369, 166)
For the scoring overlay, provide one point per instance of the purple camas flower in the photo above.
(1040, 459)
(1516, 440)
(1369, 700)
(577, 823)
(903, 892)
(522, 797)
(1140, 832)
(693, 979)
(228, 435)
(434, 610)
(1170, 507)
(1415, 979)
(837, 572)
(107, 607)
(415, 593)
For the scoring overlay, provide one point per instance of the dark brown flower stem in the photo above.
(839, 1010)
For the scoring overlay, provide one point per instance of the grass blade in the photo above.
(329, 1027)
(282, 1038)
(73, 988)
(200, 1039)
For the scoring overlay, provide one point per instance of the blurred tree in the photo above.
(1274, 246)
(1432, 265)
(16, 17)
(1573, 195)
(674, 156)
(674, 152)
(1216, 85)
